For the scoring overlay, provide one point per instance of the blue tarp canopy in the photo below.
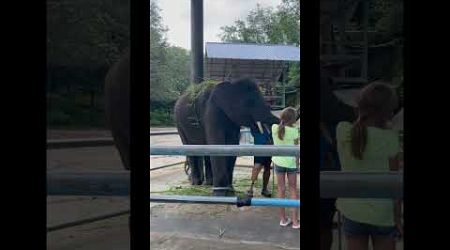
(252, 51)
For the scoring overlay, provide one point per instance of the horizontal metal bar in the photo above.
(168, 165)
(337, 184)
(168, 132)
(274, 202)
(225, 150)
(101, 141)
(175, 132)
(90, 184)
(87, 220)
(193, 199)
(333, 184)
(77, 143)
(224, 200)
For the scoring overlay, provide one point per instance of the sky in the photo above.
(217, 13)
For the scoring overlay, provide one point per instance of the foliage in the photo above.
(86, 33)
(177, 70)
(241, 185)
(294, 75)
(84, 38)
(158, 45)
(169, 71)
(387, 18)
(195, 90)
(161, 117)
(266, 25)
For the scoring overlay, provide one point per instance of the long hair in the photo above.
(376, 103)
(287, 117)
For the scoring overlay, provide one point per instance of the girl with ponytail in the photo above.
(370, 145)
(286, 134)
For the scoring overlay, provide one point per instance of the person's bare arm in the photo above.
(395, 165)
(326, 133)
(396, 162)
(297, 158)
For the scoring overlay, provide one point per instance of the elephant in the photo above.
(214, 117)
(117, 101)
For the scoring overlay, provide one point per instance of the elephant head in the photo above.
(243, 104)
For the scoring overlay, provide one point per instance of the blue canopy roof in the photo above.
(253, 51)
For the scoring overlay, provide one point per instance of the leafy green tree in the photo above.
(177, 70)
(266, 25)
(84, 38)
(158, 44)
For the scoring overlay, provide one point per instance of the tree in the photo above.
(265, 25)
(177, 70)
(84, 38)
(158, 44)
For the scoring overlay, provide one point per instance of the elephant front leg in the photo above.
(208, 172)
(196, 164)
(231, 161)
(221, 177)
(232, 139)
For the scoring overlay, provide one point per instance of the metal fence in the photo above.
(332, 184)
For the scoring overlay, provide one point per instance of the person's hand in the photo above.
(399, 226)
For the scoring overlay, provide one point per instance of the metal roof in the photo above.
(253, 51)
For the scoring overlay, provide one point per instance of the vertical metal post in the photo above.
(365, 57)
(196, 41)
(283, 84)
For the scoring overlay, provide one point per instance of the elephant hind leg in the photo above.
(208, 171)
(123, 146)
(196, 164)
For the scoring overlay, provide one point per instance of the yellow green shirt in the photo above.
(290, 135)
(381, 145)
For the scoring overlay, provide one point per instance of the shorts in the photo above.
(354, 228)
(282, 170)
(327, 211)
(263, 160)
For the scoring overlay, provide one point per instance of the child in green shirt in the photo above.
(286, 134)
(370, 145)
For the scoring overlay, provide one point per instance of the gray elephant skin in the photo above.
(117, 101)
(214, 117)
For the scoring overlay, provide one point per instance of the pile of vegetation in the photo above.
(195, 90)
(241, 185)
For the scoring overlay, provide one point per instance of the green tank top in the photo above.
(381, 145)
(290, 135)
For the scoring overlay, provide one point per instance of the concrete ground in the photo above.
(188, 226)
(106, 234)
(173, 226)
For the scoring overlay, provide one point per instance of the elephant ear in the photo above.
(219, 97)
